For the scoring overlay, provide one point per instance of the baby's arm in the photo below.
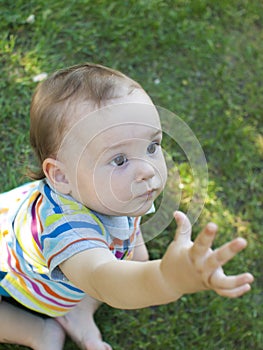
(186, 267)
(140, 250)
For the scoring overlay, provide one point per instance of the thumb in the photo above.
(184, 227)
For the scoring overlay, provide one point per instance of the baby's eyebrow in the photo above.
(157, 133)
(116, 145)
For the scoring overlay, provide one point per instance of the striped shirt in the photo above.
(39, 229)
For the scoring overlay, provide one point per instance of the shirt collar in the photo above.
(120, 227)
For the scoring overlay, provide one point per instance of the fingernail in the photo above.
(211, 227)
(175, 214)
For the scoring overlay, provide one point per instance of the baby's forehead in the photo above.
(118, 121)
(121, 114)
(112, 128)
(135, 101)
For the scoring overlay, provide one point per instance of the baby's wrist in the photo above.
(170, 289)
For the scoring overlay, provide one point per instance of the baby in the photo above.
(71, 239)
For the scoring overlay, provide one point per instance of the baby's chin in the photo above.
(137, 206)
(132, 212)
(141, 210)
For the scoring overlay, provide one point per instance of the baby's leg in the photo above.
(80, 325)
(18, 326)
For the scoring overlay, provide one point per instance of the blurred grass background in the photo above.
(201, 59)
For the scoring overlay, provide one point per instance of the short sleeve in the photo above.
(67, 233)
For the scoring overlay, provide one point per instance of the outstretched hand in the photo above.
(189, 267)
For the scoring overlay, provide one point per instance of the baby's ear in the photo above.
(55, 173)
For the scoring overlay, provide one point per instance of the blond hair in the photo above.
(55, 98)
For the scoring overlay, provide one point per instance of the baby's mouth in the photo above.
(149, 194)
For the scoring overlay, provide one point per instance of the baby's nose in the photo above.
(145, 171)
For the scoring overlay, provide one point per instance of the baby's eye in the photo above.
(152, 148)
(119, 160)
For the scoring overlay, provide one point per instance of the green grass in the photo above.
(201, 59)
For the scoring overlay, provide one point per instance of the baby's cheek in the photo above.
(162, 170)
(121, 188)
(164, 177)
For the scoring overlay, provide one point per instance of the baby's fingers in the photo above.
(204, 241)
(235, 292)
(219, 281)
(232, 286)
(225, 253)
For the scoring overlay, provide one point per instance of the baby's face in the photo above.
(113, 157)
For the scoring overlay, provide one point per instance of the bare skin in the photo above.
(79, 324)
(21, 327)
(27, 329)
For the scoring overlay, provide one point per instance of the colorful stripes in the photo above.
(39, 229)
